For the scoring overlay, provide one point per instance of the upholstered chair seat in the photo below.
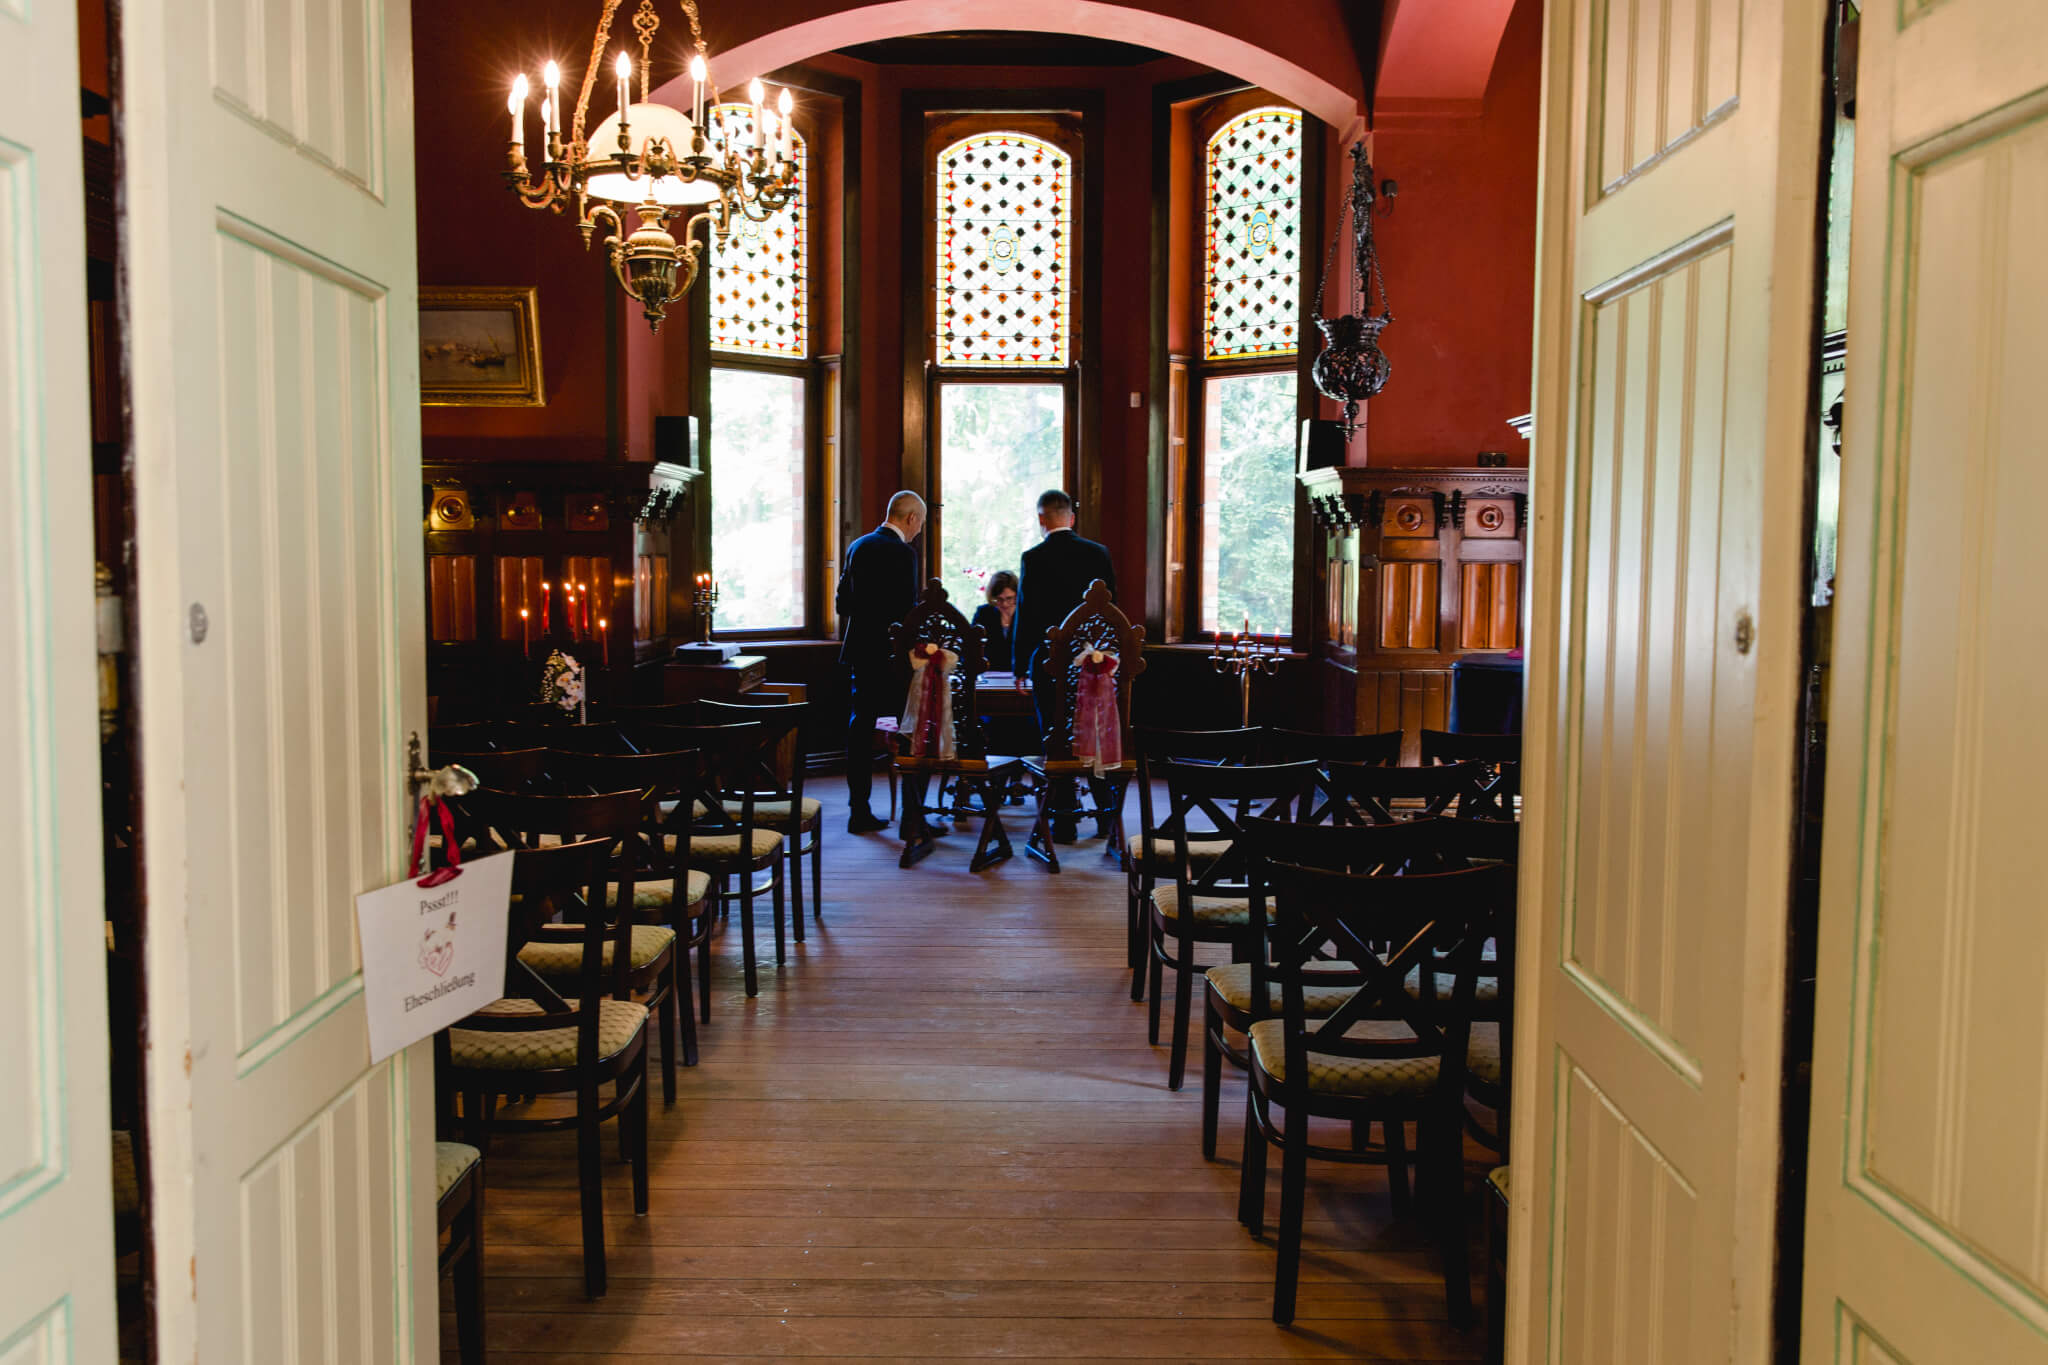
(766, 843)
(1358, 1077)
(451, 1159)
(1232, 984)
(775, 814)
(559, 959)
(619, 1022)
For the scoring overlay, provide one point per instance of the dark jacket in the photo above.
(877, 589)
(995, 648)
(1055, 576)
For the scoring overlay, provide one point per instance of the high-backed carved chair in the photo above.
(946, 709)
(1094, 626)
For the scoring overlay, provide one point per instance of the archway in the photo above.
(1124, 22)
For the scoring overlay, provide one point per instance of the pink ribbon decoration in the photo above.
(1098, 731)
(928, 720)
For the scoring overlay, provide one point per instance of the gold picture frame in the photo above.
(480, 347)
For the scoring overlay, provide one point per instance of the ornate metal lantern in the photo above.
(1352, 368)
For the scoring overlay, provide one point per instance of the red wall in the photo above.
(1459, 255)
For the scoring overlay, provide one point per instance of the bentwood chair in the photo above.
(779, 800)
(1228, 1004)
(1209, 902)
(1153, 856)
(727, 840)
(1380, 1056)
(667, 927)
(459, 1202)
(936, 629)
(1095, 625)
(536, 1041)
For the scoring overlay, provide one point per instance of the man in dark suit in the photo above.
(877, 588)
(1057, 572)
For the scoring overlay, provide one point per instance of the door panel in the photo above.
(56, 1200)
(1928, 1209)
(1674, 275)
(274, 232)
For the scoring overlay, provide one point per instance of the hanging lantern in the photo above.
(1352, 368)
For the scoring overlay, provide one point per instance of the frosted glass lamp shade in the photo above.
(649, 122)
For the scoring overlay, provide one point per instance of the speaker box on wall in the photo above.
(675, 441)
(1322, 444)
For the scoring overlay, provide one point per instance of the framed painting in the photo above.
(480, 347)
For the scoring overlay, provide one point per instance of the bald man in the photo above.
(877, 589)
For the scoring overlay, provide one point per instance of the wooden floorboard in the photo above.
(939, 1134)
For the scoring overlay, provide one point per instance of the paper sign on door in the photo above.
(433, 954)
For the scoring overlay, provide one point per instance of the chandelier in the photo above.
(653, 161)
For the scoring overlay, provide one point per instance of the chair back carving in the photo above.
(936, 621)
(1095, 624)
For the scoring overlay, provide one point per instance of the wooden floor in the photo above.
(940, 1134)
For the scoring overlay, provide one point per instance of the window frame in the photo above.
(825, 372)
(933, 120)
(1182, 438)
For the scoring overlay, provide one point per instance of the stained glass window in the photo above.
(759, 301)
(1004, 281)
(1251, 296)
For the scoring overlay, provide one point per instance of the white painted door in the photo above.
(1927, 1208)
(56, 1206)
(1680, 154)
(271, 247)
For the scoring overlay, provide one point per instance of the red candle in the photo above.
(546, 596)
(525, 633)
(604, 639)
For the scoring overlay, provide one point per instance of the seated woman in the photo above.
(998, 621)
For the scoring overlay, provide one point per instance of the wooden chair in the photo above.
(631, 720)
(1154, 853)
(1228, 1005)
(727, 840)
(1380, 1056)
(1367, 793)
(1381, 750)
(935, 624)
(1209, 900)
(505, 770)
(459, 1198)
(780, 803)
(1095, 624)
(1490, 1062)
(667, 926)
(1497, 781)
(537, 1042)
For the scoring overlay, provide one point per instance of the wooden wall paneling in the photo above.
(452, 596)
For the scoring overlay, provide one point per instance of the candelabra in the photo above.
(706, 598)
(1243, 655)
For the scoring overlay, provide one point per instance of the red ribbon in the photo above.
(428, 805)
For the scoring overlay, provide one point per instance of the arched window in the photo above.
(1251, 333)
(760, 379)
(1251, 287)
(1005, 209)
(760, 300)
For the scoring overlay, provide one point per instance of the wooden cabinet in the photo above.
(497, 532)
(1418, 568)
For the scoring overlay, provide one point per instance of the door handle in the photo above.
(452, 780)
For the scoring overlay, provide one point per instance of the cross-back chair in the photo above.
(946, 746)
(1363, 793)
(1380, 750)
(1095, 626)
(727, 839)
(536, 1041)
(779, 801)
(1382, 1055)
(1153, 856)
(1229, 1005)
(1209, 899)
(1497, 780)
(667, 926)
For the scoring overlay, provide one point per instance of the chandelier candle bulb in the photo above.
(517, 104)
(758, 97)
(697, 75)
(551, 103)
(625, 70)
(785, 103)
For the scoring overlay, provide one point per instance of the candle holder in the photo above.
(706, 598)
(1244, 656)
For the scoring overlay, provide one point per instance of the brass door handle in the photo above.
(453, 780)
